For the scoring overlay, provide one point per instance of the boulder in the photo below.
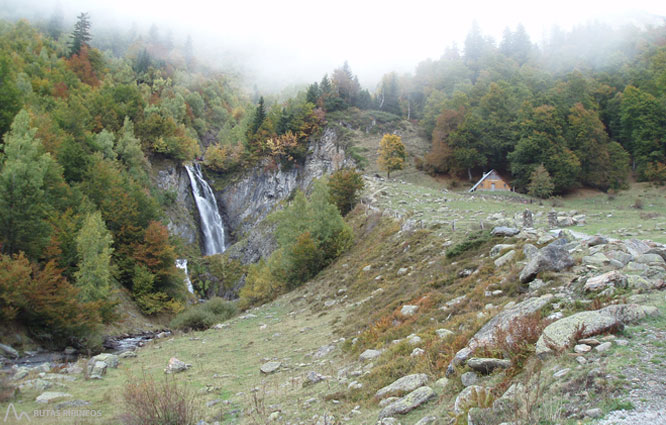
(469, 378)
(403, 385)
(409, 310)
(564, 221)
(427, 420)
(596, 240)
(443, 333)
(629, 313)
(466, 396)
(495, 251)
(408, 403)
(176, 366)
(487, 365)
(111, 360)
(8, 351)
(611, 279)
(504, 259)
(369, 354)
(560, 335)
(270, 367)
(313, 378)
(597, 259)
(486, 335)
(650, 259)
(553, 257)
(96, 370)
(51, 396)
(504, 231)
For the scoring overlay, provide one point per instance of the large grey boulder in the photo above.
(175, 366)
(504, 259)
(560, 335)
(270, 367)
(96, 370)
(403, 385)
(408, 403)
(553, 257)
(111, 360)
(487, 365)
(8, 351)
(611, 279)
(486, 336)
(51, 396)
(369, 354)
(504, 231)
(466, 396)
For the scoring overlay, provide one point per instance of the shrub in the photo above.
(151, 403)
(194, 318)
(204, 315)
(472, 241)
(344, 188)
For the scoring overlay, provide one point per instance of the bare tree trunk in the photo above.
(409, 110)
(469, 174)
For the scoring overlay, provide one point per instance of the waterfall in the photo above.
(211, 222)
(181, 263)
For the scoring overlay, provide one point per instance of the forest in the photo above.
(82, 118)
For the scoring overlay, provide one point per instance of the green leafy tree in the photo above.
(392, 154)
(81, 35)
(94, 249)
(345, 188)
(9, 95)
(23, 206)
(541, 184)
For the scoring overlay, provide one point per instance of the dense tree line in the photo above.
(589, 109)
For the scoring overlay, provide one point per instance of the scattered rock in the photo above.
(504, 231)
(559, 335)
(495, 251)
(388, 400)
(582, 348)
(408, 403)
(323, 351)
(69, 404)
(627, 313)
(369, 354)
(176, 366)
(593, 342)
(505, 259)
(313, 378)
(466, 396)
(51, 396)
(603, 347)
(554, 257)
(111, 360)
(403, 385)
(127, 354)
(270, 367)
(560, 373)
(596, 240)
(96, 370)
(409, 310)
(611, 279)
(469, 378)
(427, 420)
(414, 339)
(487, 365)
(8, 351)
(402, 271)
(594, 413)
(597, 259)
(441, 382)
(443, 333)
(417, 352)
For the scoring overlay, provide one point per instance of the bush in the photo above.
(344, 188)
(203, 316)
(194, 318)
(150, 403)
(472, 241)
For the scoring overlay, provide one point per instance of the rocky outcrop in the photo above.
(249, 199)
(554, 257)
(180, 210)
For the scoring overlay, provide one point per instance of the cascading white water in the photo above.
(181, 263)
(211, 222)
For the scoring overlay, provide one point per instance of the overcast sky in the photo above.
(296, 40)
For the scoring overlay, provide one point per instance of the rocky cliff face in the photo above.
(250, 199)
(180, 210)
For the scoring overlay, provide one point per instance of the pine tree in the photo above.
(93, 245)
(9, 95)
(81, 34)
(392, 154)
(23, 208)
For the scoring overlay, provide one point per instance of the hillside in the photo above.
(403, 232)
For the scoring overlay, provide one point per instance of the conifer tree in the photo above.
(541, 184)
(23, 208)
(81, 34)
(93, 245)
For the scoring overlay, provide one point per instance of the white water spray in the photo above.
(211, 221)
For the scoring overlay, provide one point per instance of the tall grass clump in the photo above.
(165, 402)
